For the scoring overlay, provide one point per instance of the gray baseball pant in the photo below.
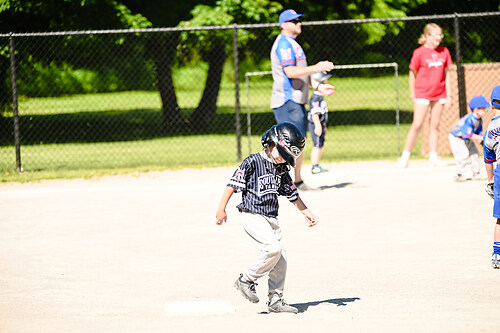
(265, 233)
(462, 149)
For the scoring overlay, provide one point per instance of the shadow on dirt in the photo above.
(303, 307)
(339, 185)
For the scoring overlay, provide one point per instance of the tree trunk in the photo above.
(204, 114)
(163, 48)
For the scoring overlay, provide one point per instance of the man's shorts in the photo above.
(496, 203)
(293, 113)
(318, 141)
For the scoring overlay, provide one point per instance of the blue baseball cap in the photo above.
(289, 15)
(495, 94)
(478, 102)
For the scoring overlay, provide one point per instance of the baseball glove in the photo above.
(489, 189)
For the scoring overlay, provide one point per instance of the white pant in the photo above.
(462, 149)
(265, 233)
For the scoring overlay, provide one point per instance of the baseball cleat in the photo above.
(459, 178)
(247, 289)
(495, 261)
(281, 306)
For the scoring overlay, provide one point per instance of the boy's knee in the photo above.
(274, 251)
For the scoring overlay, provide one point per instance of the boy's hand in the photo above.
(220, 217)
(311, 220)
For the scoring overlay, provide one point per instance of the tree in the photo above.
(212, 49)
(57, 15)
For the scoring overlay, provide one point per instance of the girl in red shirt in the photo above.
(429, 90)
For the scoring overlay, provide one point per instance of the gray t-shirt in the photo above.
(287, 52)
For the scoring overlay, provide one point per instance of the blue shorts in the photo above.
(318, 141)
(293, 113)
(496, 202)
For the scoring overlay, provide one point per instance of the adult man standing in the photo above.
(291, 80)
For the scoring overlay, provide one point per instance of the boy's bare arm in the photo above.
(311, 220)
(318, 128)
(489, 171)
(221, 215)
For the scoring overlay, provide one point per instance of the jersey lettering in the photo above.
(268, 184)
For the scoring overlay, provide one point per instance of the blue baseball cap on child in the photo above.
(495, 94)
(478, 102)
(289, 15)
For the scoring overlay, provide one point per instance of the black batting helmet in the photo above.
(287, 139)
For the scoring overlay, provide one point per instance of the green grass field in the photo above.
(120, 133)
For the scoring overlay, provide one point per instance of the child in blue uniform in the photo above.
(261, 178)
(318, 118)
(464, 134)
(491, 149)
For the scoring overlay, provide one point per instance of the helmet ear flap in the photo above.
(266, 139)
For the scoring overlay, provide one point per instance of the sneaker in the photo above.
(437, 161)
(459, 178)
(281, 306)
(303, 186)
(402, 163)
(317, 169)
(495, 261)
(247, 289)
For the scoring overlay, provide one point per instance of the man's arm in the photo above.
(294, 72)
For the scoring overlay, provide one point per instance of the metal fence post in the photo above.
(237, 92)
(396, 87)
(462, 103)
(17, 141)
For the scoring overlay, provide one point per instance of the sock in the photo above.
(433, 154)
(496, 247)
(405, 154)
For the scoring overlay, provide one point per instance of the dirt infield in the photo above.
(394, 251)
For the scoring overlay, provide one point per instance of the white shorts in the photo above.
(425, 101)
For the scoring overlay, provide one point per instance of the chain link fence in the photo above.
(168, 98)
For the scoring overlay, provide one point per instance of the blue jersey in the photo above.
(467, 126)
(287, 52)
(491, 141)
(260, 182)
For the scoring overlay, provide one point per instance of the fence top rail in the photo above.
(388, 64)
(242, 26)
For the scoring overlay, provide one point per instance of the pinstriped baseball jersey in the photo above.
(287, 52)
(260, 183)
(491, 141)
